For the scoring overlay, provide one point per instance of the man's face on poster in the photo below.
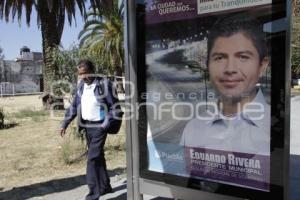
(235, 66)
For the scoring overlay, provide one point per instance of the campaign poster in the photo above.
(208, 86)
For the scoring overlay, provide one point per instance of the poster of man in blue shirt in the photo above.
(213, 112)
(221, 116)
(237, 56)
(213, 104)
(230, 141)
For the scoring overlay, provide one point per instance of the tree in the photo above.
(1, 109)
(102, 34)
(66, 60)
(50, 19)
(296, 7)
(1, 54)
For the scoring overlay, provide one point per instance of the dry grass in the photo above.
(15, 104)
(115, 151)
(32, 151)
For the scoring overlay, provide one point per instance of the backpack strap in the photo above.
(101, 87)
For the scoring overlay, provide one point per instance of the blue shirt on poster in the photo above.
(246, 132)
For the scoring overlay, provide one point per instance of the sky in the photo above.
(13, 36)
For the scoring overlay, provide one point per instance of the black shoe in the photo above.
(106, 191)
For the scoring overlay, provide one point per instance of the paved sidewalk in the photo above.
(119, 187)
(78, 193)
(295, 128)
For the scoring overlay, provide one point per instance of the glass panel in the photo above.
(206, 107)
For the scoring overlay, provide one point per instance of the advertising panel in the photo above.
(209, 89)
(166, 10)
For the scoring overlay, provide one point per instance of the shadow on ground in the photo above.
(10, 125)
(65, 184)
(121, 196)
(53, 186)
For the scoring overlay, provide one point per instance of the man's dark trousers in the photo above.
(97, 177)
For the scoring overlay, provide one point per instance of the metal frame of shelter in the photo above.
(138, 186)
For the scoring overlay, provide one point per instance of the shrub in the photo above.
(73, 150)
(115, 143)
(1, 118)
(35, 115)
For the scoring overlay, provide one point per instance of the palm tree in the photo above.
(1, 54)
(50, 19)
(103, 34)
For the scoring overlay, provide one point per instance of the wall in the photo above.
(22, 76)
